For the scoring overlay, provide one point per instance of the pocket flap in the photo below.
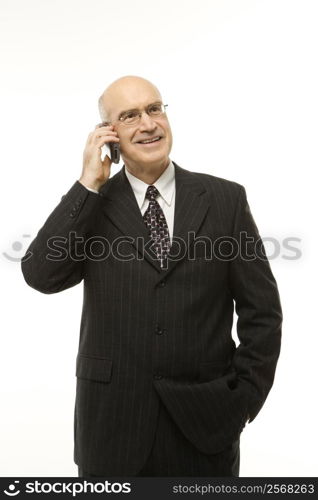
(97, 369)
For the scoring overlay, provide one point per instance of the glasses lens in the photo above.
(156, 109)
(130, 117)
(133, 116)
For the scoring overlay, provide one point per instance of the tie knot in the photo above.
(152, 193)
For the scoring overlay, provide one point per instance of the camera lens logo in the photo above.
(17, 247)
(13, 492)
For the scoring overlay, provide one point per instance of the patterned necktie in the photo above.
(156, 222)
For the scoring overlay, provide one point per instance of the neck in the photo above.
(147, 173)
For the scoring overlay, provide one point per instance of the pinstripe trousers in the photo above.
(173, 455)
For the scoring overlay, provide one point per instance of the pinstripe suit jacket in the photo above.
(149, 334)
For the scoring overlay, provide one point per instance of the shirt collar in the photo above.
(165, 185)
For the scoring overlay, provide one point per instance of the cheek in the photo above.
(168, 139)
(168, 133)
(124, 143)
(129, 149)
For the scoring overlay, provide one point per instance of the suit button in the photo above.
(157, 376)
(160, 331)
(162, 284)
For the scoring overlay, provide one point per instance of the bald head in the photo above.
(146, 143)
(124, 93)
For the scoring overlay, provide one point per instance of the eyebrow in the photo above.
(122, 113)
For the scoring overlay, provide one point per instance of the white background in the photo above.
(240, 78)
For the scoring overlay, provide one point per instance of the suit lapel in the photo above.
(122, 209)
(191, 206)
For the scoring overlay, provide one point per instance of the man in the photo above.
(164, 253)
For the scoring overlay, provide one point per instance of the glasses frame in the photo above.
(120, 119)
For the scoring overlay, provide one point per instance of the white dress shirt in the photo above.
(166, 186)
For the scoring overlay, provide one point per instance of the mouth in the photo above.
(151, 140)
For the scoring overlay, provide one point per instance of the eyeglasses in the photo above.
(133, 116)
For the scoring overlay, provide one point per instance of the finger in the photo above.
(103, 133)
(104, 125)
(98, 133)
(106, 140)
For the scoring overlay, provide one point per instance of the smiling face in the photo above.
(144, 145)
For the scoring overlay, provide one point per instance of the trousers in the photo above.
(172, 454)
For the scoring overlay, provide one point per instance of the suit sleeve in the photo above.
(258, 308)
(55, 259)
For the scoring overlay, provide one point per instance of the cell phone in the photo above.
(114, 152)
(113, 147)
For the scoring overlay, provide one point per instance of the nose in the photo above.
(146, 123)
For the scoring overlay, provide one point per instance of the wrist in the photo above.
(95, 185)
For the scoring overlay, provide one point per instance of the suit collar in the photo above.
(122, 209)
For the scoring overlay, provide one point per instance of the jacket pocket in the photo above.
(96, 369)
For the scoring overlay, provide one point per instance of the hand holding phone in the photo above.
(96, 170)
(113, 146)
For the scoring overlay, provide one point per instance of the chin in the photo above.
(147, 158)
(154, 159)
(155, 156)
